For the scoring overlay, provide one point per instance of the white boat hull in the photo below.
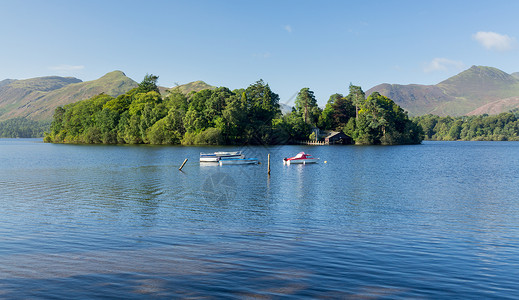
(301, 161)
(209, 159)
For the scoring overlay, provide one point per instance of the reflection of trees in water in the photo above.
(148, 187)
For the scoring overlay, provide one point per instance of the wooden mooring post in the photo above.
(268, 165)
(185, 161)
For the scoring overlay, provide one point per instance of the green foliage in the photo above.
(148, 84)
(210, 136)
(371, 121)
(502, 127)
(119, 104)
(262, 106)
(221, 116)
(295, 127)
(356, 96)
(338, 111)
(343, 111)
(210, 116)
(326, 118)
(306, 106)
(163, 132)
(312, 136)
(382, 121)
(22, 128)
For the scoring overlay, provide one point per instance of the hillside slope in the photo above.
(194, 86)
(496, 107)
(16, 94)
(37, 98)
(455, 96)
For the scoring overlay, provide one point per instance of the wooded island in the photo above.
(224, 117)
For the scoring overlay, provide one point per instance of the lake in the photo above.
(437, 220)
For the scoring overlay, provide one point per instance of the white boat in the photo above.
(238, 161)
(300, 158)
(216, 156)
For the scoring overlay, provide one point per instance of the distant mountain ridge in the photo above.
(464, 93)
(477, 90)
(37, 98)
(5, 82)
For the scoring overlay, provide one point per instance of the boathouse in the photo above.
(338, 137)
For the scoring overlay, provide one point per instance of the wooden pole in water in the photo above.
(268, 165)
(185, 161)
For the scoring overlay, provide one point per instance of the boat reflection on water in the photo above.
(238, 161)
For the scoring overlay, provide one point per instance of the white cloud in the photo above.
(494, 41)
(288, 28)
(442, 64)
(66, 68)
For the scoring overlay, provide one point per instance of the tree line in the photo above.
(501, 127)
(221, 116)
(369, 121)
(22, 128)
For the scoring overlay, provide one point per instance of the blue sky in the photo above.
(323, 45)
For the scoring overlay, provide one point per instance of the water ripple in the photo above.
(374, 222)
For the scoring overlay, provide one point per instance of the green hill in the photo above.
(16, 95)
(194, 86)
(496, 107)
(37, 98)
(5, 82)
(416, 99)
(455, 96)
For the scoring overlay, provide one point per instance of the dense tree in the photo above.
(142, 116)
(502, 127)
(326, 121)
(382, 121)
(262, 106)
(306, 106)
(295, 127)
(343, 110)
(23, 128)
(235, 117)
(357, 96)
(148, 84)
(222, 116)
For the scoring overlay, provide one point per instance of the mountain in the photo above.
(16, 94)
(496, 107)
(5, 82)
(194, 86)
(285, 108)
(37, 98)
(416, 99)
(457, 95)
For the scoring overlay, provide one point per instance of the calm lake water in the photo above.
(437, 220)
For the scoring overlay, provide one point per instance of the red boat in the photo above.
(300, 158)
